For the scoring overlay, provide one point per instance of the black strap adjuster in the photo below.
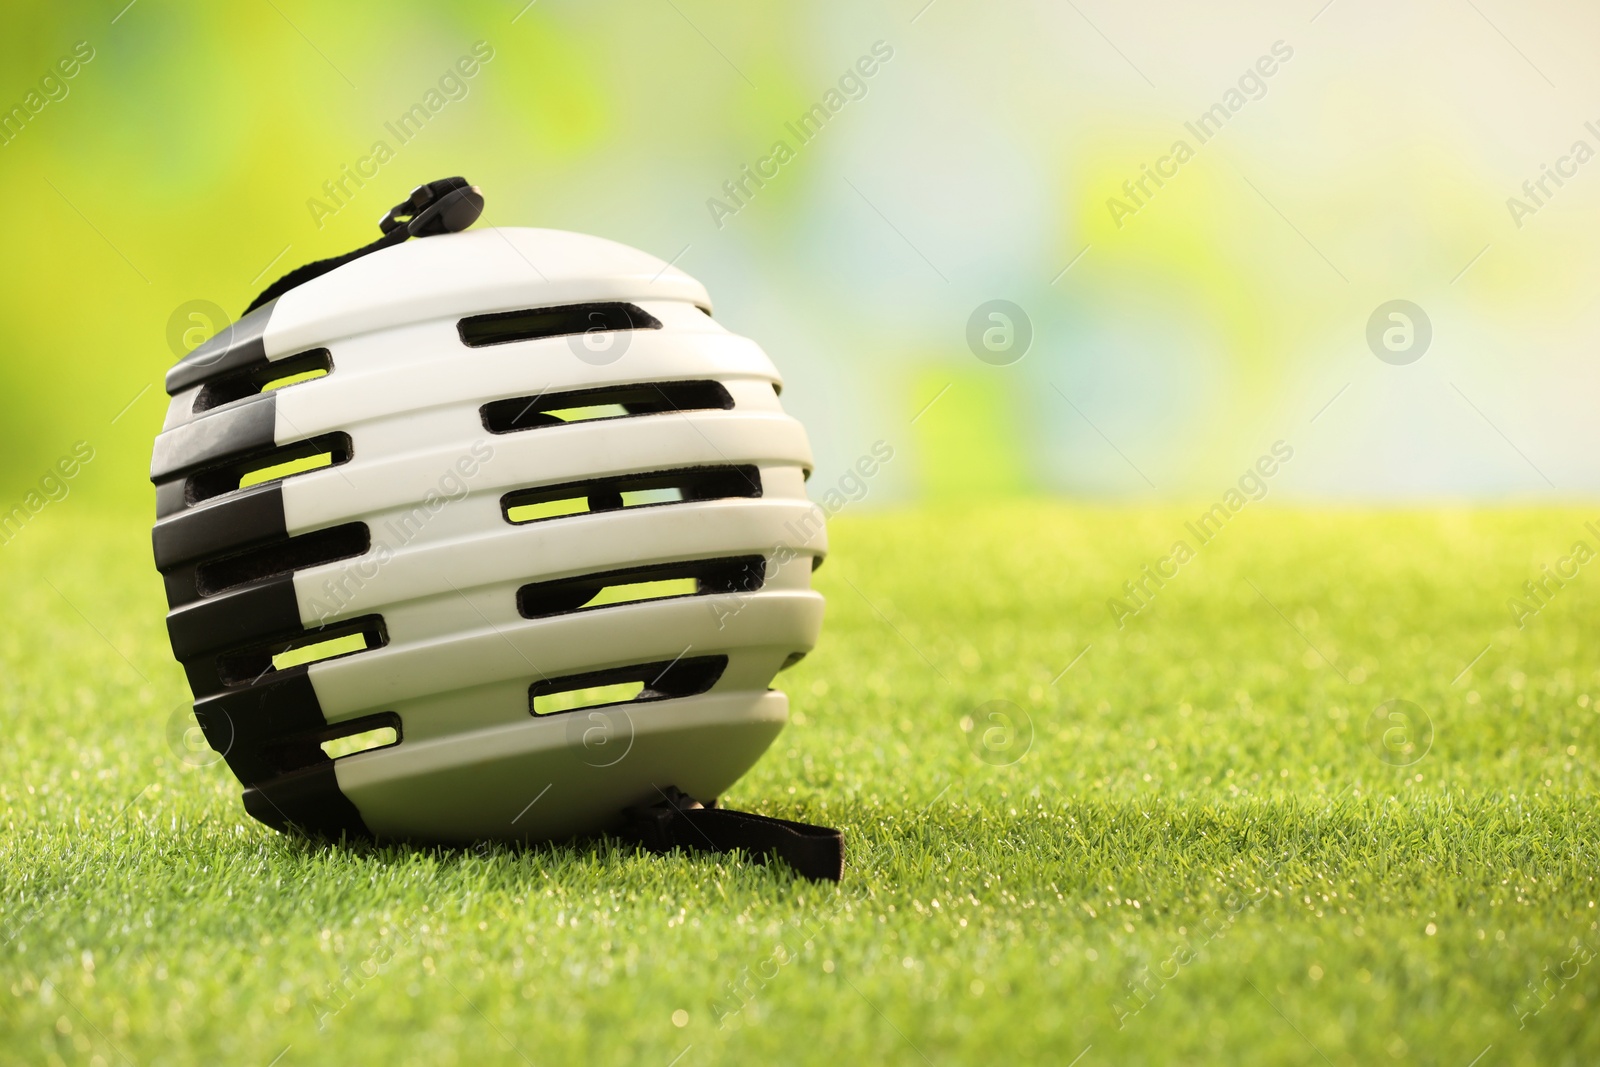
(448, 205)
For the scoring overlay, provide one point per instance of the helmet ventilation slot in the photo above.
(666, 581)
(275, 464)
(587, 405)
(263, 377)
(591, 696)
(637, 684)
(361, 735)
(533, 323)
(630, 491)
(249, 665)
(297, 751)
(282, 557)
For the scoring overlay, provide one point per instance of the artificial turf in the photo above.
(1193, 846)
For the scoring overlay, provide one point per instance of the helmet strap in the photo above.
(448, 205)
(679, 821)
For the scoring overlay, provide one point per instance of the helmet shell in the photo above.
(528, 514)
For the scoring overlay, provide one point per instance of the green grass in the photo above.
(1200, 813)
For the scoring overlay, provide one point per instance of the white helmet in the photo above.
(508, 505)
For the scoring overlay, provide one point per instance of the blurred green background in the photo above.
(1171, 344)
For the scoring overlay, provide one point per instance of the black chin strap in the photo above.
(448, 205)
(677, 820)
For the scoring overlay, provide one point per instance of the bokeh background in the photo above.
(181, 165)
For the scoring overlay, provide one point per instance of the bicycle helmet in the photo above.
(508, 513)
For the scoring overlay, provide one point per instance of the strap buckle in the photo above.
(448, 205)
(653, 823)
